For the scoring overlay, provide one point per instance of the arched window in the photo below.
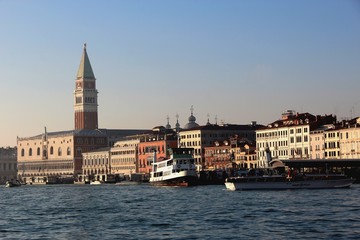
(51, 150)
(44, 153)
(59, 151)
(78, 151)
(38, 151)
(68, 151)
(30, 152)
(22, 152)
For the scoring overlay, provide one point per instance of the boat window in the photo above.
(161, 165)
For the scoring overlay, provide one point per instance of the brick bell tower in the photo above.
(85, 96)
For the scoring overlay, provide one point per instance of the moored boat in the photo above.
(96, 182)
(13, 183)
(268, 178)
(178, 170)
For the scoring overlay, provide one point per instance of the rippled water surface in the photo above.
(203, 212)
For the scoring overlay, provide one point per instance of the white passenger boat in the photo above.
(178, 170)
(267, 178)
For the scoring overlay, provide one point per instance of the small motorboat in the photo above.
(13, 183)
(96, 182)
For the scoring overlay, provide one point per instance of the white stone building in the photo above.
(289, 137)
(350, 139)
(124, 157)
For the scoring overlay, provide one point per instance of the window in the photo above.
(68, 151)
(38, 151)
(59, 151)
(78, 151)
(30, 152)
(22, 152)
(51, 150)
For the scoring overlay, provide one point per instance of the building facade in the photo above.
(56, 155)
(350, 139)
(96, 165)
(289, 137)
(205, 136)
(244, 153)
(233, 153)
(332, 143)
(8, 164)
(154, 146)
(218, 156)
(124, 157)
(317, 144)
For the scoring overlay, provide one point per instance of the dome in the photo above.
(191, 125)
(192, 119)
(168, 126)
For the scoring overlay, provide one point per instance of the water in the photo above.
(204, 212)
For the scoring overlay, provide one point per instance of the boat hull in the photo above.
(184, 181)
(311, 184)
(12, 184)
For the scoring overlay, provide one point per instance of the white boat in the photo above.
(13, 183)
(96, 182)
(178, 170)
(267, 178)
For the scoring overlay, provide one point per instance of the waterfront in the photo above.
(203, 212)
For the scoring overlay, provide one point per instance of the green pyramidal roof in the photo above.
(85, 70)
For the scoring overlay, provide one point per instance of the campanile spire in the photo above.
(85, 94)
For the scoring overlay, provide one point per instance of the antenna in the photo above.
(352, 111)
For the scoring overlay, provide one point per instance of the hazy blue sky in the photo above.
(239, 60)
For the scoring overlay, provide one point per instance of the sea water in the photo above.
(203, 212)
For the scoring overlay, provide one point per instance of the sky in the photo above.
(235, 60)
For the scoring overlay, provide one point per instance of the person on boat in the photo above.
(289, 174)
